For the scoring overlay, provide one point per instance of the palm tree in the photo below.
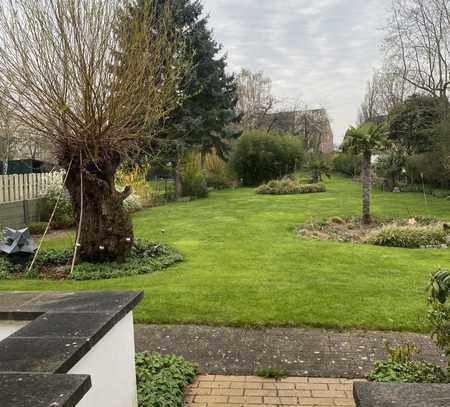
(366, 140)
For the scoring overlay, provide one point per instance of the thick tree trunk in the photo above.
(106, 229)
(366, 179)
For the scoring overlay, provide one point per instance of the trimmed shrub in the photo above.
(258, 157)
(409, 236)
(288, 186)
(161, 380)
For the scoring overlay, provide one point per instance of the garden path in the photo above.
(253, 391)
(298, 351)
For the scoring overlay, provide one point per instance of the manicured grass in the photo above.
(244, 265)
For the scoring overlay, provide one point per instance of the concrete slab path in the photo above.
(299, 351)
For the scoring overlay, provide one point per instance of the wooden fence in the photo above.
(24, 187)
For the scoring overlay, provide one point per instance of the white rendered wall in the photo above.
(111, 365)
(9, 327)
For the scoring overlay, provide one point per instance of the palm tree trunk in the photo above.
(366, 178)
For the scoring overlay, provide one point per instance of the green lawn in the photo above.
(245, 266)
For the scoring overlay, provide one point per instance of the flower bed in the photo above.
(409, 233)
(146, 257)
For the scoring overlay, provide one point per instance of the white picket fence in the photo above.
(20, 187)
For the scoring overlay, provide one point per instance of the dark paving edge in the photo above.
(299, 351)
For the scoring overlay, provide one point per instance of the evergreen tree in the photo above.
(210, 95)
(412, 124)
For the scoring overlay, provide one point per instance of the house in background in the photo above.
(313, 126)
(21, 152)
(27, 166)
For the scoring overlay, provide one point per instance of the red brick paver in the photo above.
(253, 391)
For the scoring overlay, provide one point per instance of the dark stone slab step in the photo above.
(401, 395)
(42, 390)
(64, 327)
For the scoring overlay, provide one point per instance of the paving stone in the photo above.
(246, 400)
(270, 392)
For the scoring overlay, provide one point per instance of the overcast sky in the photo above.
(320, 51)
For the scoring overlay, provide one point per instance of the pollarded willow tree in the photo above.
(67, 77)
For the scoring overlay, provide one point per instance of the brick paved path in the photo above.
(253, 391)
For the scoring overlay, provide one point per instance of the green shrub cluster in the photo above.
(409, 236)
(161, 380)
(428, 168)
(219, 181)
(400, 367)
(288, 186)
(347, 164)
(408, 372)
(258, 157)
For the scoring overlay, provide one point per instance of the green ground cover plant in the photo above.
(245, 265)
(161, 380)
(146, 257)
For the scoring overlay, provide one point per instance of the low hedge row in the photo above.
(411, 236)
(288, 186)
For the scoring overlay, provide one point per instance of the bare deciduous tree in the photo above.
(384, 91)
(418, 44)
(94, 83)
(8, 136)
(255, 99)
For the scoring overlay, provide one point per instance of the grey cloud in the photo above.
(322, 51)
